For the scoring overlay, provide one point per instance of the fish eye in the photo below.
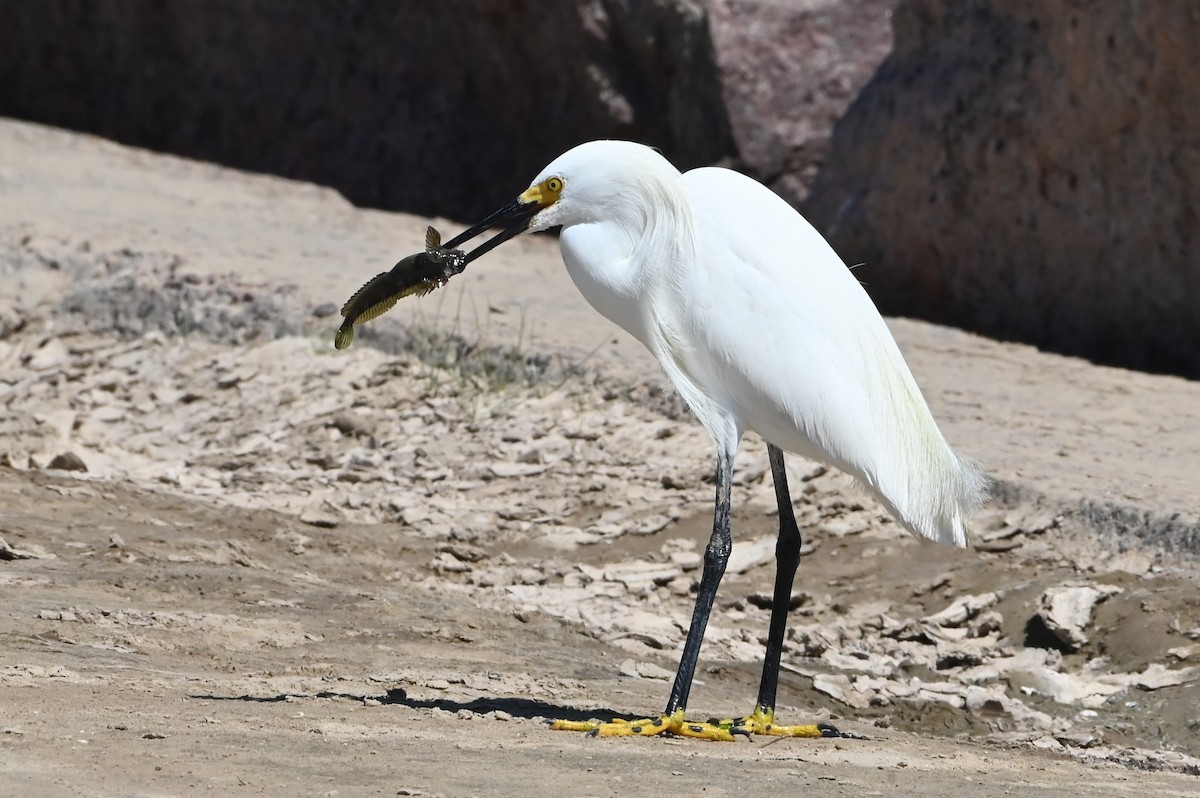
(554, 185)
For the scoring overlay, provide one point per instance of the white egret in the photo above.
(760, 326)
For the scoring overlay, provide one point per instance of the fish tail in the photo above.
(344, 336)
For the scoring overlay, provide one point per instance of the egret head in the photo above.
(596, 181)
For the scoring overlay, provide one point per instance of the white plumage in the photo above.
(757, 322)
(760, 326)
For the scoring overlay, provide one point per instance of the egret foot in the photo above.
(649, 727)
(762, 721)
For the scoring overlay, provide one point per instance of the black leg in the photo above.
(716, 555)
(787, 558)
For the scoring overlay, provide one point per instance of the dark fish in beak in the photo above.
(421, 273)
(415, 275)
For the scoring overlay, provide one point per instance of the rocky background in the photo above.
(1024, 168)
(1028, 169)
(444, 108)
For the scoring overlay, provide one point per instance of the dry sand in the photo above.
(290, 571)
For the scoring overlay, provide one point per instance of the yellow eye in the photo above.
(553, 185)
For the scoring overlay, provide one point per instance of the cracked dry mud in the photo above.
(290, 571)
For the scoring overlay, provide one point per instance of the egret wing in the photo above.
(780, 325)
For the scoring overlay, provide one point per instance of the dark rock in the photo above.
(445, 108)
(1027, 169)
(67, 461)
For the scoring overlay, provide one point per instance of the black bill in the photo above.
(513, 217)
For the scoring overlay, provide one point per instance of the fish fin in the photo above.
(348, 308)
(381, 307)
(433, 239)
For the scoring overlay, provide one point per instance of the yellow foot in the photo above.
(651, 727)
(762, 721)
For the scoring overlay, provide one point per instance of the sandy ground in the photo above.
(289, 571)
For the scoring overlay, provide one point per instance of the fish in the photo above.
(415, 275)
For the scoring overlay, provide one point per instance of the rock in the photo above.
(639, 573)
(412, 516)
(846, 525)
(108, 414)
(866, 661)
(15, 461)
(1080, 739)
(648, 670)
(756, 82)
(674, 483)
(952, 699)
(788, 72)
(965, 653)
(67, 461)
(7, 552)
(1067, 610)
(1064, 688)
(320, 515)
(837, 687)
(749, 554)
(351, 425)
(962, 610)
(812, 641)
(650, 524)
(644, 670)
(992, 704)
(1033, 520)
(766, 600)
(236, 377)
(573, 70)
(937, 583)
(446, 563)
(50, 355)
(463, 551)
(295, 542)
(1157, 676)
(659, 627)
(509, 470)
(1024, 138)
(688, 560)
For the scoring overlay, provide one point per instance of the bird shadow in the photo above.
(517, 707)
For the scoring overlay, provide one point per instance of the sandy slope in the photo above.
(296, 532)
(1055, 425)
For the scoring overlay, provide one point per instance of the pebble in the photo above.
(50, 355)
(1067, 610)
(320, 517)
(67, 461)
(751, 554)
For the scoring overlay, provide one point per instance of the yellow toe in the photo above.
(667, 725)
(762, 721)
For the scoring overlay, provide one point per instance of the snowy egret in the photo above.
(760, 326)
